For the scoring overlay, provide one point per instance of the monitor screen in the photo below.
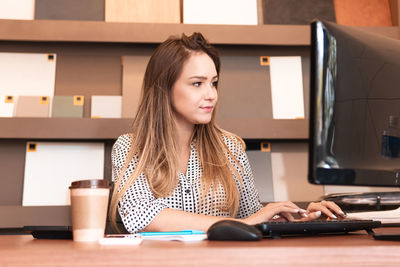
(355, 107)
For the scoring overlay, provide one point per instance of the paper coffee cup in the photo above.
(89, 203)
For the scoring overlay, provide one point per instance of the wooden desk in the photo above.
(356, 249)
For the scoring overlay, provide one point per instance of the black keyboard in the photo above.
(275, 229)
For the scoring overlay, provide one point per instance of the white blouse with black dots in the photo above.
(138, 206)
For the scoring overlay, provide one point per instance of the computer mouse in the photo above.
(233, 231)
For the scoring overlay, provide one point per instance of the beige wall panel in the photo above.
(14, 216)
(133, 69)
(260, 163)
(88, 75)
(289, 170)
(12, 162)
(363, 12)
(162, 11)
(394, 11)
(244, 88)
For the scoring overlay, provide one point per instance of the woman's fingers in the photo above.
(312, 216)
(326, 207)
(333, 206)
(288, 216)
(283, 210)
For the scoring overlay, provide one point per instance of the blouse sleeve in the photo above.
(138, 206)
(249, 201)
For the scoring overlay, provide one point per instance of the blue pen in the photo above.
(184, 232)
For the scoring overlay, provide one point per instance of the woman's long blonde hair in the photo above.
(154, 140)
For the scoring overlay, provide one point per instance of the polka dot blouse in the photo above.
(138, 207)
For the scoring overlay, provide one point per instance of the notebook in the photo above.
(50, 167)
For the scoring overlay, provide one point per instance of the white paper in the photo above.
(27, 74)
(17, 9)
(6, 109)
(286, 87)
(240, 12)
(106, 106)
(386, 216)
(50, 170)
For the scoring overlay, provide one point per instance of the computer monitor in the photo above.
(355, 107)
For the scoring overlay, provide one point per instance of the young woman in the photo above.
(177, 169)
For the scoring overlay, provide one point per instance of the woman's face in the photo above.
(194, 93)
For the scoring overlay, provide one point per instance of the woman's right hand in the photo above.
(279, 211)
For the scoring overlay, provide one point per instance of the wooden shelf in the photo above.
(100, 31)
(100, 129)
(260, 128)
(63, 128)
(113, 32)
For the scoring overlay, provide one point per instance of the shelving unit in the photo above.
(112, 32)
(115, 40)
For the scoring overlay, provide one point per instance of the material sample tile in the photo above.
(50, 167)
(106, 106)
(287, 87)
(241, 12)
(29, 74)
(146, 11)
(70, 9)
(297, 12)
(68, 106)
(7, 104)
(17, 9)
(33, 106)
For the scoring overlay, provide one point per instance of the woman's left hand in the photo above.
(315, 210)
